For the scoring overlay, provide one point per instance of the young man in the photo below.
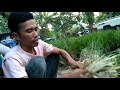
(33, 58)
(3, 50)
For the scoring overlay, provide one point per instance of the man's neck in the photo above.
(28, 49)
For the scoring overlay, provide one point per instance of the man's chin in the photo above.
(35, 44)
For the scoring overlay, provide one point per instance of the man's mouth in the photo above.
(35, 40)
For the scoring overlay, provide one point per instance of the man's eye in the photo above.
(36, 28)
(29, 30)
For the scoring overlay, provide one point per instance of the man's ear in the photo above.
(15, 36)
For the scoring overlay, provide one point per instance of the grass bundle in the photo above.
(100, 66)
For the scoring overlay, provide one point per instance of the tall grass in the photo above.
(107, 41)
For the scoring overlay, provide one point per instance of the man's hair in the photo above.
(16, 18)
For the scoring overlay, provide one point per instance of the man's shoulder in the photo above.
(41, 42)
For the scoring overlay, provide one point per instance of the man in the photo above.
(33, 58)
(3, 50)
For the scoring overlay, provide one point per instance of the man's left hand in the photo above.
(76, 64)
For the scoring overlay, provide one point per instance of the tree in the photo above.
(42, 19)
(3, 22)
(111, 14)
(101, 17)
(61, 21)
(5, 14)
(88, 17)
(106, 15)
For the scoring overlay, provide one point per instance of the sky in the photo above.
(96, 14)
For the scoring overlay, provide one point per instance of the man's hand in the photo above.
(76, 64)
(76, 73)
(70, 60)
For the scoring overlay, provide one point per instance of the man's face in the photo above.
(28, 35)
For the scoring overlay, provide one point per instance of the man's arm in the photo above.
(67, 56)
(77, 73)
(14, 68)
(4, 49)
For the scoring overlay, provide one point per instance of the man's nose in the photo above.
(35, 33)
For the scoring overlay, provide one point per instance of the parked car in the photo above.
(111, 23)
(50, 39)
(83, 32)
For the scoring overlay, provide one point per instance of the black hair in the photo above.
(16, 18)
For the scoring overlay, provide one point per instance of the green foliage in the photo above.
(101, 17)
(50, 34)
(3, 25)
(60, 21)
(3, 22)
(106, 15)
(89, 18)
(107, 41)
